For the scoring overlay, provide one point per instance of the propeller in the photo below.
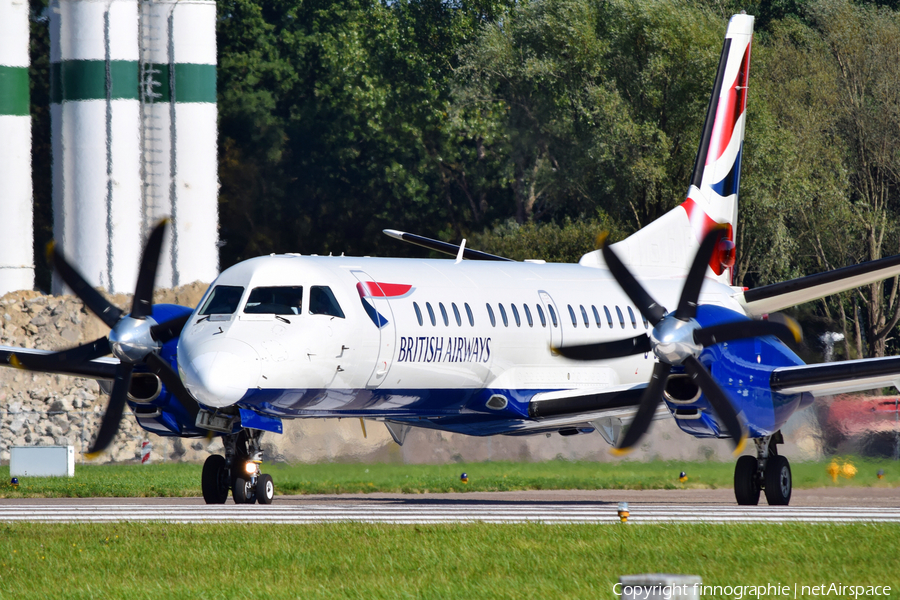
(677, 339)
(134, 339)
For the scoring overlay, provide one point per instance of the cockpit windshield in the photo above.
(281, 300)
(323, 302)
(223, 300)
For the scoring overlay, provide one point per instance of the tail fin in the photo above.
(671, 241)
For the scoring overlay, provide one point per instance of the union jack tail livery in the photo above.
(670, 242)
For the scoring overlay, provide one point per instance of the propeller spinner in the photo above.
(677, 339)
(134, 338)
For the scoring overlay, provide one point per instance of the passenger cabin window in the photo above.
(528, 316)
(470, 315)
(584, 316)
(503, 315)
(323, 302)
(456, 315)
(633, 320)
(223, 300)
(572, 315)
(621, 318)
(541, 315)
(608, 316)
(552, 316)
(515, 312)
(418, 314)
(431, 313)
(491, 315)
(646, 324)
(275, 301)
(596, 315)
(444, 314)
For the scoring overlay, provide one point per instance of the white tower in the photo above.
(133, 120)
(16, 229)
(95, 126)
(179, 130)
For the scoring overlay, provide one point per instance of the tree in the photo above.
(862, 43)
(592, 105)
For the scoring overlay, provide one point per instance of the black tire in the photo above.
(265, 489)
(243, 492)
(746, 481)
(778, 481)
(212, 481)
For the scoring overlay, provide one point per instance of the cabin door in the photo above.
(554, 321)
(375, 301)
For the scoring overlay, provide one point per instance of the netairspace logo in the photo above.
(739, 592)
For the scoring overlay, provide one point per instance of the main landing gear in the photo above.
(768, 471)
(238, 471)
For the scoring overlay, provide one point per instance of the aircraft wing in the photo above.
(604, 409)
(826, 379)
(99, 368)
(778, 296)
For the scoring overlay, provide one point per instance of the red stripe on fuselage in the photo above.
(376, 289)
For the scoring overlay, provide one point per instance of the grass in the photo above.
(162, 480)
(349, 560)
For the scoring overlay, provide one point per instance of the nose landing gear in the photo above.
(238, 471)
(768, 471)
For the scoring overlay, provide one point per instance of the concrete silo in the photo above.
(179, 131)
(95, 126)
(133, 120)
(16, 229)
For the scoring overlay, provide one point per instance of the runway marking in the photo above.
(443, 513)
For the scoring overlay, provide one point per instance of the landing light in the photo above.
(252, 467)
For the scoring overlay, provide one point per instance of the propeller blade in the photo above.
(644, 302)
(719, 401)
(788, 322)
(64, 358)
(93, 299)
(607, 350)
(788, 331)
(143, 292)
(170, 329)
(172, 381)
(690, 293)
(649, 402)
(109, 426)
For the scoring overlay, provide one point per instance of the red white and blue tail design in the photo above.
(671, 241)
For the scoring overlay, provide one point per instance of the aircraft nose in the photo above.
(219, 372)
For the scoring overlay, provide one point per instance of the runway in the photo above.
(408, 515)
(551, 507)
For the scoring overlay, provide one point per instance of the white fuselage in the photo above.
(222, 357)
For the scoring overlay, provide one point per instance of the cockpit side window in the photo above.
(323, 302)
(282, 300)
(223, 300)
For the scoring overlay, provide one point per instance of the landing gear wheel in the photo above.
(213, 480)
(778, 481)
(265, 489)
(746, 481)
(243, 491)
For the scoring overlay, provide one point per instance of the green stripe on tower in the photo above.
(86, 80)
(193, 83)
(14, 94)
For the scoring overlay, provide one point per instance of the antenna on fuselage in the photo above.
(462, 250)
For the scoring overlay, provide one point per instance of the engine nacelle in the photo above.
(681, 389)
(144, 388)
